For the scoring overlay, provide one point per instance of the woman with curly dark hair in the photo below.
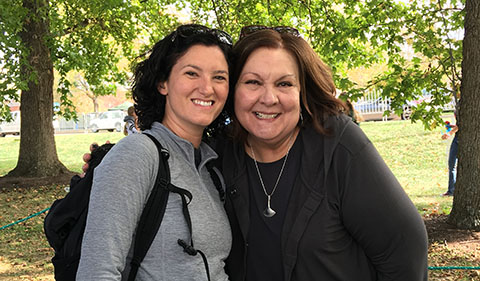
(179, 89)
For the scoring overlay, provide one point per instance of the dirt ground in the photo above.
(446, 243)
(462, 241)
(438, 228)
(11, 182)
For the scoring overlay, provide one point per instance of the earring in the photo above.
(301, 118)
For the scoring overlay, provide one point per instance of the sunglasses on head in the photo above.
(195, 29)
(247, 30)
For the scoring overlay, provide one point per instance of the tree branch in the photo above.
(220, 25)
(454, 74)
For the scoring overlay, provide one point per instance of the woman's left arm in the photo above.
(382, 219)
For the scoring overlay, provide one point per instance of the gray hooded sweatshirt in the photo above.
(121, 186)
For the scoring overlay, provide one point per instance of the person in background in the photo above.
(178, 90)
(452, 156)
(131, 126)
(308, 195)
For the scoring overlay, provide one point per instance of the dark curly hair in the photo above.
(149, 103)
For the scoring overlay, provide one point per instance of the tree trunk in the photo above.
(38, 155)
(466, 203)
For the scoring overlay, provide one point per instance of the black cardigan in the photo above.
(355, 223)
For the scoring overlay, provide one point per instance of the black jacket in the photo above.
(349, 220)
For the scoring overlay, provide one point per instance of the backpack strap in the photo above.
(153, 212)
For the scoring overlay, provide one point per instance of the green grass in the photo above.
(70, 148)
(418, 158)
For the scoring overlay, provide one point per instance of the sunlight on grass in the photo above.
(418, 158)
(70, 149)
(8, 153)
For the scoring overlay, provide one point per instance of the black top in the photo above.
(348, 218)
(264, 258)
(198, 157)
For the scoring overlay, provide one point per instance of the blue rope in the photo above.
(24, 219)
(454, 267)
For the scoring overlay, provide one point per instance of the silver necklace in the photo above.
(269, 212)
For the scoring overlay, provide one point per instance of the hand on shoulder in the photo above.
(88, 156)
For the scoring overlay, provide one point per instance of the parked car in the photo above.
(110, 120)
(12, 127)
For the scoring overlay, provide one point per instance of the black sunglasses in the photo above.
(247, 30)
(194, 29)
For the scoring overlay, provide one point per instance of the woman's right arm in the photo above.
(121, 185)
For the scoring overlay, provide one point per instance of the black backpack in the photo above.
(65, 222)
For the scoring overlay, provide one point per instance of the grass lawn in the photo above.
(70, 148)
(418, 158)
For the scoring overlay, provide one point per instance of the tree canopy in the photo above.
(418, 41)
(89, 37)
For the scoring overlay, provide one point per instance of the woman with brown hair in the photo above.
(308, 195)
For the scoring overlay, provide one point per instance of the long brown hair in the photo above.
(317, 89)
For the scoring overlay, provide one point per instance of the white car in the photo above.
(12, 127)
(110, 120)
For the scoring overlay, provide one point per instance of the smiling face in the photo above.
(267, 96)
(195, 91)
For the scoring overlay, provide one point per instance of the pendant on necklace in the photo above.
(269, 212)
